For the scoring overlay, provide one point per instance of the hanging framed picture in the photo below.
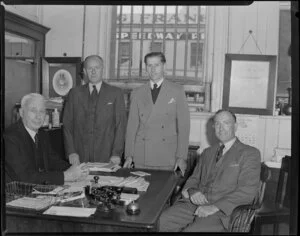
(249, 83)
(59, 75)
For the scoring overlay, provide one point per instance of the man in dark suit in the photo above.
(158, 128)
(28, 155)
(227, 175)
(94, 118)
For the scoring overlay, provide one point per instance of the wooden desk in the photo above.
(152, 202)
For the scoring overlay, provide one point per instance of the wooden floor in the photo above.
(268, 229)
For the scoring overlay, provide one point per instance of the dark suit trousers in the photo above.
(180, 217)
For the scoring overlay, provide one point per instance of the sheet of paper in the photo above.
(70, 211)
(53, 192)
(99, 166)
(140, 173)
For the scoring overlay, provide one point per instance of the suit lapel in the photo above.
(84, 96)
(147, 103)
(28, 142)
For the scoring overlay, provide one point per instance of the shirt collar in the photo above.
(31, 133)
(228, 145)
(158, 83)
(98, 87)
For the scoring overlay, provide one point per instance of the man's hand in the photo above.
(74, 159)
(181, 164)
(115, 159)
(197, 197)
(128, 162)
(204, 211)
(76, 173)
(185, 193)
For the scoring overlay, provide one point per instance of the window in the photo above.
(156, 47)
(125, 54)
(196, 54)
(177, 31)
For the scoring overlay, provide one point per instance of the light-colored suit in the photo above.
(158, 133)
(232, 181)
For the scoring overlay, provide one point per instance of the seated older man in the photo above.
(227, 175)
(28, 155)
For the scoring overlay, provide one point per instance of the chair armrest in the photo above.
(241, 218)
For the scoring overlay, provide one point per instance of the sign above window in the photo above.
(161, 35)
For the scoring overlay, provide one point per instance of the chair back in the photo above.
(265, 176)
(283, 188)
(242, 216)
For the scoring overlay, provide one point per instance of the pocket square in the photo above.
(171, 100)
(109, 103)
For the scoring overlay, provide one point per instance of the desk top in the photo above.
(162, 184)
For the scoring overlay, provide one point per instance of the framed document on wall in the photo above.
(59, 75)
(249, 83)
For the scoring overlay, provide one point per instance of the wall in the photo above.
(228, 30)
(270, 134)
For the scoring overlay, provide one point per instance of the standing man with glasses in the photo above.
(94, 118)
(158, 126)
(28, 155)
(226, 176)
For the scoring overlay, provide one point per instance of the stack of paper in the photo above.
(135, 182)
(38, 203)
(70, 211)
(98, 166)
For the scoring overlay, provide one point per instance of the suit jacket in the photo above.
(109, 128)
(21, 159)
(158, 133)
(233, 181)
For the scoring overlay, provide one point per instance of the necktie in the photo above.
(154, 93)
(94, 94)
(220, 152)
(36, 140)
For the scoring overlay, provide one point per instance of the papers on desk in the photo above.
(53, 192)
(135, 182)
(140, 173)
(128, 198)
(70, 211)
(98, 166)
(38, 203)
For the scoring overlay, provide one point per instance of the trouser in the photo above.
(180, 217)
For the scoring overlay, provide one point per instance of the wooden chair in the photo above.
(243, 215)
(279, 211)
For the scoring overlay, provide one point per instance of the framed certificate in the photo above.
(59, 75)
(249, 83)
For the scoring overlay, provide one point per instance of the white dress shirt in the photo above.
(98, 87)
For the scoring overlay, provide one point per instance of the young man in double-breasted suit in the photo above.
(158, 126)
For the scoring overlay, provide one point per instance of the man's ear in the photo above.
(235, 127)
(21, 112)
(84, 72)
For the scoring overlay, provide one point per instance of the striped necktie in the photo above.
(219, 152)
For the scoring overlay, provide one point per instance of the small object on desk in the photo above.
(96, 178)
(133, 208)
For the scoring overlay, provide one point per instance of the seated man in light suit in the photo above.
(227, 175)
(28, 155)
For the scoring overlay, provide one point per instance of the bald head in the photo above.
(93, 68)
(225, 125)
(33, 111)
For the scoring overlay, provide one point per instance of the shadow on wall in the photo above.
(210, 132)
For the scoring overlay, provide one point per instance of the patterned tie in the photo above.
(94, 94)
(154, 93)
(220, 152)
(36, 141)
